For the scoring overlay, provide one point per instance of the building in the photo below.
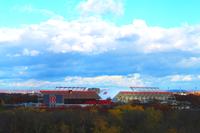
(68, 96)
(144, 95)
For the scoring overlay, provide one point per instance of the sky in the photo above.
(111, 44)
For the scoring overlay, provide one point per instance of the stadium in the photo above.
(144, 95)
(65, 96)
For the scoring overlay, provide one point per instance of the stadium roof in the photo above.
(145, 92)
(73, 94)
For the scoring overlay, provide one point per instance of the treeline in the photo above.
(115, 119)
(193, 99)
(6, 98)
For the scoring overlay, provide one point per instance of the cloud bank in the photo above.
(91, 50)
(94, 35)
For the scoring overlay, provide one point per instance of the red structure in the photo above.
(56, 98)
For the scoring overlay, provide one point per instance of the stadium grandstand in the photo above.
(63, 96)
(144, 95)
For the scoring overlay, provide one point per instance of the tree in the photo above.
(172, 130)
(2, 102)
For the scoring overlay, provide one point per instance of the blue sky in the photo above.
(122, 43)
(167, 13)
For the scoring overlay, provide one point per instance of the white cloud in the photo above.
(158, 39)
(177, 78)
(27, 52)
(98, 81)
(9, 35)
(20, 70)
(31, 83)
(101, 7)
(87, 36)
(189, 62)
(115, 80)
(94, 35)
(31, 9)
